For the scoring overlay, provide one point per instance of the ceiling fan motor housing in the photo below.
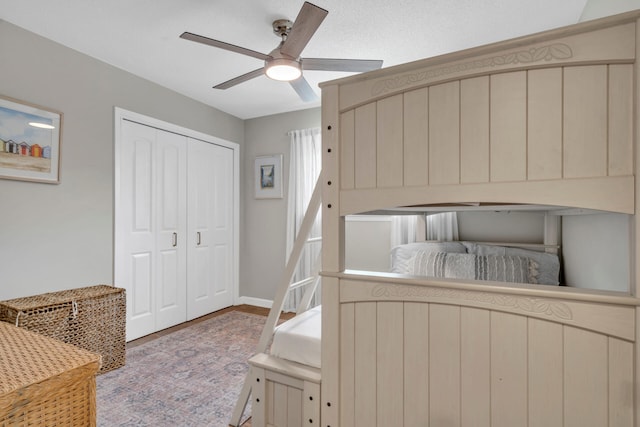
(281, 27)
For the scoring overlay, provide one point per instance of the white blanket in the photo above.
(298, 339)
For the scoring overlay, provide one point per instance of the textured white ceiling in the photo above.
(142, 37)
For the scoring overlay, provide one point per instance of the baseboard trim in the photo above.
(258, 302)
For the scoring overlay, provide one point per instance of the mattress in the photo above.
(298, 339)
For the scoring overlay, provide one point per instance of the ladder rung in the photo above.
(302, 282)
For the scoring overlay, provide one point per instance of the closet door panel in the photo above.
(222, 236)
(171, 208)
(210, 232)
(135, 264)
(509, 126)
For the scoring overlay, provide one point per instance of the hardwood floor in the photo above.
(244, 308)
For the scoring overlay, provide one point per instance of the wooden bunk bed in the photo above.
(546, 120)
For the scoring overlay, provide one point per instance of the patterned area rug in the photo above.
(191, 377)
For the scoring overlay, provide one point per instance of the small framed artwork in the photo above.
(29, 141)
(268, 177)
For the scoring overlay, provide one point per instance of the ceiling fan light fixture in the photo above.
(283, 69)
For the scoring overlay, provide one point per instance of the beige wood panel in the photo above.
(258, 395)
(610, 39)
(444, 365)
(607, 314)
(365, 364)
(389, 137)
(416, 137)
(544, 127)
(508, 370)
(270, 394)
(613, 194)
(294, 407)
(620, 388)
(347, 364)
(475, 367)
(347, 149)
(365, 146)
(620, 119)
(330, 387)
(585, 121)
(444, 133)
(280, 394)
(332, 224)
(311, 404)
(585, 379)
(416, 364)
(508, 127)
(474, 130)
(390, 361)
(545, 374)
(637, 365)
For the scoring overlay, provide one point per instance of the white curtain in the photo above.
(403, 229)
(304, 168)
(442, 226)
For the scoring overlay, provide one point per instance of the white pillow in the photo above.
(500, 268)
(548, 264)
(401, 254)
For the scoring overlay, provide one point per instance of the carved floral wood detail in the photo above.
(555, 51)
(538, 306)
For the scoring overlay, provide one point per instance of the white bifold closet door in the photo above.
(210, 235)
(174, 227)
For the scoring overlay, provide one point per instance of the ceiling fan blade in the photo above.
(309, 19)
(304, 90)
(240, 79)
(223, 45)
(353, 65)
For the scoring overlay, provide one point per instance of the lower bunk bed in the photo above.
(286, 381)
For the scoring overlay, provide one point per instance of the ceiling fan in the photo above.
(284, 62)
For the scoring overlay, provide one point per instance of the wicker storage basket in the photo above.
(45, 382)
(92, 318)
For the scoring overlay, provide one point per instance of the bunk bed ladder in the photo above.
(283, 289)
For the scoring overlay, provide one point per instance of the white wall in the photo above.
(55, 237)
(601, 243)
(367, 243)
(262, 247)
(599, 8)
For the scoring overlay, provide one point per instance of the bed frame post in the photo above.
(332, 256)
